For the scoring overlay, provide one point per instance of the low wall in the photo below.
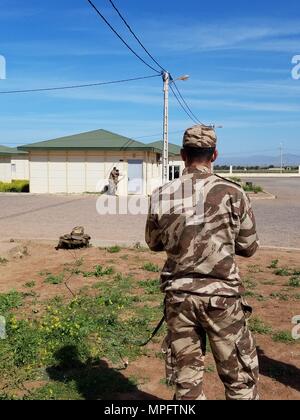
(258, 175)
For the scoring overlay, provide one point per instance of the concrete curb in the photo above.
(268, 196)
(280, 248)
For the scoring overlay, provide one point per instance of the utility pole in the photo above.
(281, 157)
(165, 171)
(167, 79)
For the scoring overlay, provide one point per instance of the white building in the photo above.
(82, 163)
(14, 164)
(176, 164)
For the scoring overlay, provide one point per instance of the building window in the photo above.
(174, 172)
(13, 168)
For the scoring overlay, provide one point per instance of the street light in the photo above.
(167, 79)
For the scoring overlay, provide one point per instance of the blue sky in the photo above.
(238, 55)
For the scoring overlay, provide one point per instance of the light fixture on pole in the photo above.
(167, 79)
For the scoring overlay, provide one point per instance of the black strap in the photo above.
(154, 332)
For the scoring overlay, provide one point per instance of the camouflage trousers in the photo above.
(192, 318)
(112, 187)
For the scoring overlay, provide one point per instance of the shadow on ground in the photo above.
(94, 380)
(282, 372)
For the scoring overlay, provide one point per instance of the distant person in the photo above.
(113, 181)
(201, 278)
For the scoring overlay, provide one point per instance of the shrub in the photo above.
(17, 186)
(253, 188)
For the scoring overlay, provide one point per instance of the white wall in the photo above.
(5, 169)
(82, 171)
(21, 165)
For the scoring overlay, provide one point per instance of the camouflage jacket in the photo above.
(202, 222)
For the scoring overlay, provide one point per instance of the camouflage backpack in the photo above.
(77, 239)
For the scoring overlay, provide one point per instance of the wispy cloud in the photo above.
(244, 34)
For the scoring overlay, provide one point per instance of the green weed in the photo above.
(9, 301)
(99, 271)
(30, 284)
(274, 264)
(114, 249)
(280, 296)
(152, 287)
(282, 272)
(283, 337)
(153, 268)
(294, 282)
(259, 327)
(52, 279)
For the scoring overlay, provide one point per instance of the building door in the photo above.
(135, 177)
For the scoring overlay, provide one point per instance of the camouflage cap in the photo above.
(200, 136)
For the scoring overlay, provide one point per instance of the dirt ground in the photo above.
(275, 303)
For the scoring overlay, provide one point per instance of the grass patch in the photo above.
(280, 296)
(283, 337)
(99, 271)
(253, 188)
(52, 279)
(152, 287)
(9, 301)
(3, 261)
(152, 268)
(70, 341)
(283, 272)
(294, 282)
(257, 326)
(114, 249)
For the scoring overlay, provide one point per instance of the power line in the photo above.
(186, 104)
(120, 37)
(135, 36)
(78, 86)
(182, 106)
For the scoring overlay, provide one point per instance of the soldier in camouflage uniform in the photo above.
(202, 221)
(113, 181)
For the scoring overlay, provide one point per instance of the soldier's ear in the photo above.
(215, 156)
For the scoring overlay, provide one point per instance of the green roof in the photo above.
(99, 140)
(4, 150)
(174, 149)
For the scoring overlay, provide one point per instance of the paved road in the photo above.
(47, 217)
(279, 220)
